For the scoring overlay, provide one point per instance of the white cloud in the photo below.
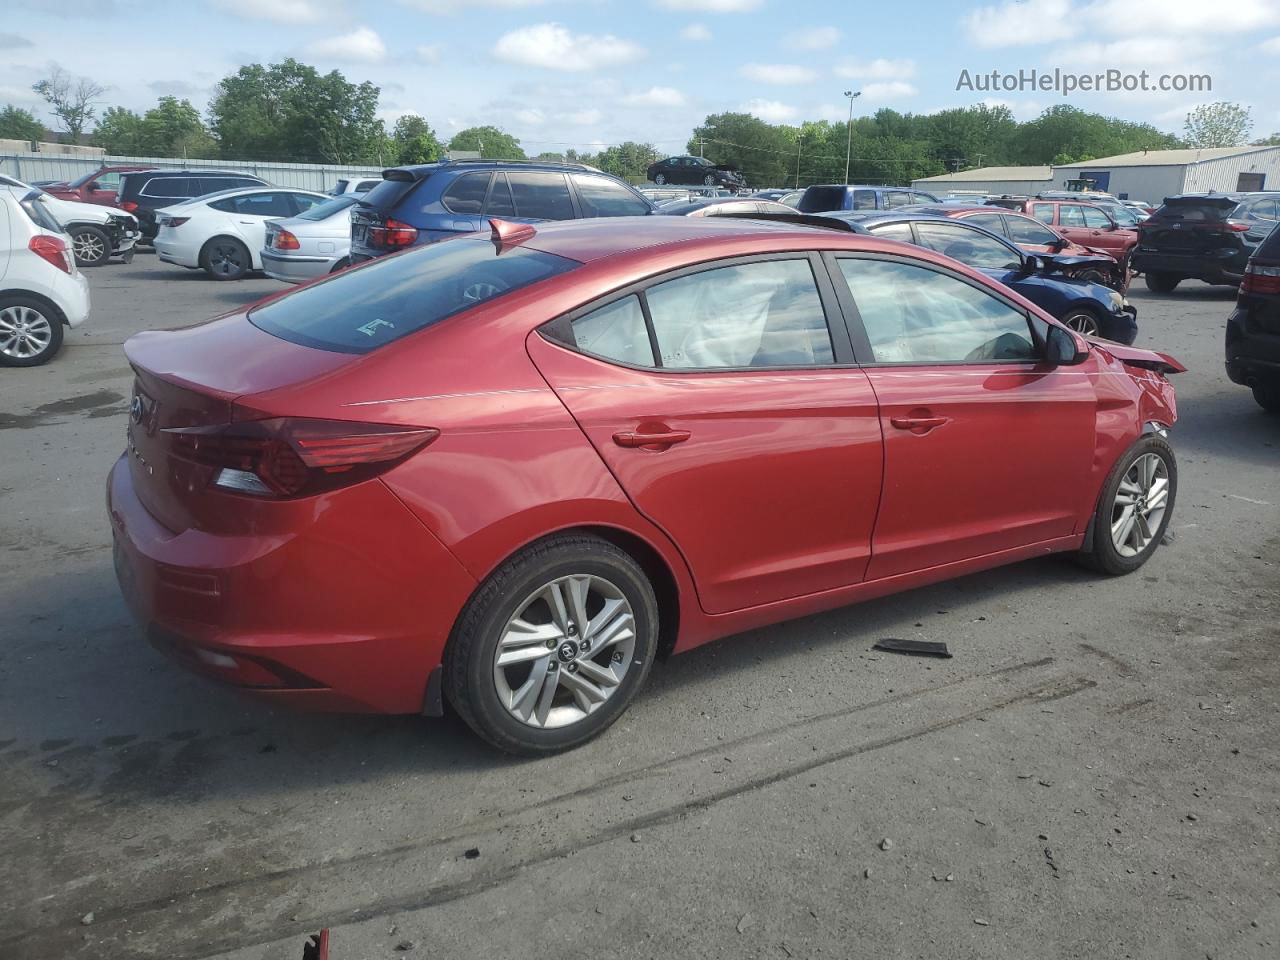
(452, 6)
(1133, 53)
(695, 32)
(429, 52)
(711, 6)
(361, 45)
(770, 111)
(531, 117)
(582, 118)
(1016, 23)
(888, 90)
(881, 69)
(782, 73)
(1182, 16)
(553, 47)
(819, 38)
(279, 11)
(1270, 46)
(11, 41)
(656, 97)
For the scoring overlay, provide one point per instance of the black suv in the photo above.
(1203, 236)
(1253, 329)
(436, 201)
(695, 171)
(146, 192)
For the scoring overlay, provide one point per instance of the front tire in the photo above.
(90, 246)
(1083, 320)
(30, 332)
(225, 258)
(709, 180)
(553, 646)
(1267, 394)
(1135, 508)
(1162, 282)
(660, 179)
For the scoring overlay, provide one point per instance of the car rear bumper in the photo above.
(176, 252)
(347, 616)
(1228, 268)
(1252, 355)
(295, 269)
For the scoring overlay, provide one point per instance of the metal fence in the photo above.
(31, 167)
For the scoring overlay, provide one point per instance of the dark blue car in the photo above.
(1087, 307)
(436, 201)
(823, 197)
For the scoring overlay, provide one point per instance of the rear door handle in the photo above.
(917, 424)
(663, 438)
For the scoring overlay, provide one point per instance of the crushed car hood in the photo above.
(1055, 261)
(1137, 357)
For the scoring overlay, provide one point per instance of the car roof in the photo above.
(429, 168)
(189, 173)
(865, 186)
(237, 191)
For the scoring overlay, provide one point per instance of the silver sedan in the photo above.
(314, 243)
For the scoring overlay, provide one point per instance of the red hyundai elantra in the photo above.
(511, 470)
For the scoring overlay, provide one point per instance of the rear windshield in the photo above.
(818, 199)
(388, 193)
(366, 308)
(1196, 210)
(323, 211)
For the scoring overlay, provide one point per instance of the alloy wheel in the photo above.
(1139, 505)
(24, 332)
(565, 651)
(1082, 322)
(87, 247)
(225, 260)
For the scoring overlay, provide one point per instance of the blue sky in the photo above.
(584, 73)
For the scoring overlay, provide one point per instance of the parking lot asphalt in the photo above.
(1095, 774)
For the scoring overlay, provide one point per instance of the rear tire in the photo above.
(709, 180)
(90, 246)
(225, 258)
(660, 179)
(551, 661)
(30, 332)
(1162, 282)
(1267, 394)
(1135, 508)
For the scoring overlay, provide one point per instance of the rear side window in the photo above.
(541, 196)
(1023, 230)
(500, 203)
(601, 197)
(1042, 212)
(616, 332)
(895, 199)
(257, 205)
(818, 199)
(1071, 216)
(325, 210)
(39, 213)
(992, 221)
(864, 200)
(895, 231)
(168, 188)
(361, 310)
(466, 194)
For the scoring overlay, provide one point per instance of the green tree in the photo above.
(968, 137)
(290, 111)
(19, 124)
(1069, 131)
(493, 144)
(413, 140)
(628, 160)
(72, 99)
(1220, 124)
(119, 132)
(764, 152)
(1271, 141)
(173, 128)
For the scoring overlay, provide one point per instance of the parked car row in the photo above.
(97, 233)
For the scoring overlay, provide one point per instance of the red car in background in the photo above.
(510, 470)
(1084, 223)
(97, 186)
(1033, 236)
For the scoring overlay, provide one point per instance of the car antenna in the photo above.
(507, 234)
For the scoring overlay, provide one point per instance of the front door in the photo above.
(721, 403)
(986, 447)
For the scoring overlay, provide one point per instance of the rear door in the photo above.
(1104, 233)
(986, 447)
(251, 211)
(733, 419)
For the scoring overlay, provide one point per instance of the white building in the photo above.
(1152, 175)
(1019, 181)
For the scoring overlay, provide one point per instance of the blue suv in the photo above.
(824, 197)
(436, 201)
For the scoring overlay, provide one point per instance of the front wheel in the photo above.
(1162, 282)
(553, 646)
(30, 332)
(660, 179)
(709, 180)
(1083, 320)
(90, 246)
(1268, 395)
(1135, 508)
(225, 258)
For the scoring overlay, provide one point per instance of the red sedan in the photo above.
(509, 471)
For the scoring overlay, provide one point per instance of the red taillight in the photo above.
(1236, 226)
(173, 221)
(128, 206)
(289, 456)
(286, 241)
(392, 234)
(1260, 280)
(53, 249)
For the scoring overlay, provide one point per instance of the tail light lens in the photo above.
(1236, 226)
(284, 240)
(52, 249)
(291, 456)
(392, 234)
(173, 221)
(1260, 280)
(128, 206)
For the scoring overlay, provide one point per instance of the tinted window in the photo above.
(895, 231)
(1095, 218)
(340, 187)
(361, 310)
(214, 184)
(466, 194)
(968, 246)
(108, 181)
(322, 211)
(915, 315)
(922, 198)
(541, 196)
(1266, 210)
(1070, 215)
(1023, 230)
(364, 186)
(818, 199)
(168, 187)
(992, 221)
(604, 198)
(500, 203)
(257, 205)
(864, 199)
(302, 201)
(616, 332)
(895, 199)
(1195, 210)
(1042, 212)
(751, 315)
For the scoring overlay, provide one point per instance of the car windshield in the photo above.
(369, 307)
(323, 211)
(1196, 209)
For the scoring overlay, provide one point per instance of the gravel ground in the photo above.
(1095, 774)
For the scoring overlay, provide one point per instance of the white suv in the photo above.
(42, 288)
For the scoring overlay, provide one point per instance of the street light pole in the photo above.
(848, 150)
(799, 139)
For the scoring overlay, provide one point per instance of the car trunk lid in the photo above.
(1190, 225)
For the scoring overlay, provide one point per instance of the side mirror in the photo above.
(1063, 349)
(93, 186)
(1059, 244)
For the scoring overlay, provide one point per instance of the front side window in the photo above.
(759, 314)
(1266, 210)
(616, 332)
(108, 181)
(863, 200)
(915, 315)
(968, 246)
(895, 199)
(541, 196)
(601, 197)
(1095, 219)
(1042, 212)
(361, 310)
(466, 194)
(500, 202)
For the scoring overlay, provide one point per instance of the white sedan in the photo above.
(222, 233)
